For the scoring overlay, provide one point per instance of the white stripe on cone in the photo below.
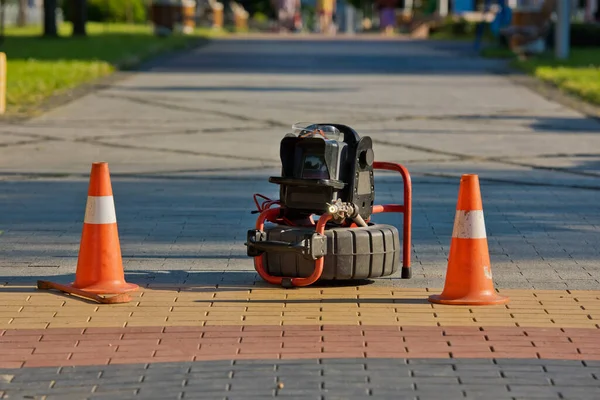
(469, 225)
(100, 210)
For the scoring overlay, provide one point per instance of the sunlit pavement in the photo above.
(191, 139)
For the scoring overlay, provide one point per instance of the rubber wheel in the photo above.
(352, 253)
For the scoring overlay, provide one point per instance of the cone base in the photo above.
(481, 300)
(108, 287)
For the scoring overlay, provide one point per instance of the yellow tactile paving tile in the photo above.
(27, 307)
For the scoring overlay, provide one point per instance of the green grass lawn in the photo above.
(459, 30)
(40, 67)
(497, 52)
(579, 75)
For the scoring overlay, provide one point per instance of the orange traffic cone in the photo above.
(100, 266)
(469, 274)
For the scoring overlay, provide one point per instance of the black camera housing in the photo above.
(317, 171)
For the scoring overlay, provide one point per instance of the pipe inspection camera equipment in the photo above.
(327, 171)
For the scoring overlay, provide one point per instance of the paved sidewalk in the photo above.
(246, 322)
(310, 379)
(319, 342)
(189, 140)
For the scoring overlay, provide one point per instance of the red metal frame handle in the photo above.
(270, 215)
(406, 209)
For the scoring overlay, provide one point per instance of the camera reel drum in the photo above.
(327, 171)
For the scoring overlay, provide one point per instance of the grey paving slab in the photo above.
(568, 379)
(190, 139)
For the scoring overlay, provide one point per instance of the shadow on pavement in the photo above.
(545, 124)
(222, 282)
(174, 231)
(233, 89)
(272, 56)
(326, 57)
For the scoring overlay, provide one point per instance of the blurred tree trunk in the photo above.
(50, 18)
(22, 13)
(79, 17)
(129, 12)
